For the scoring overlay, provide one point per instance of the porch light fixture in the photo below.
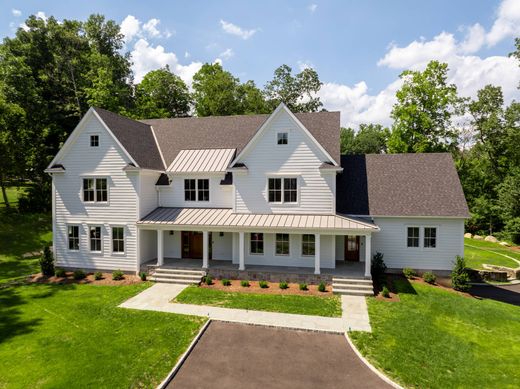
(171, 232)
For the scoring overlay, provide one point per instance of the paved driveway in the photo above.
(247, 356)
(506, 293)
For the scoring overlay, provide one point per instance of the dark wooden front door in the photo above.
(351, 248)
(191, 244)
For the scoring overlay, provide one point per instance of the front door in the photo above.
(192, 244)
(351, 248)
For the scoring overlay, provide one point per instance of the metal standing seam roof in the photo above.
(202, 160)
(224, 217)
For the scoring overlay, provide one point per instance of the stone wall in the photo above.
(253, 275)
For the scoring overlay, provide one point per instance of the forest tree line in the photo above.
(52, 72)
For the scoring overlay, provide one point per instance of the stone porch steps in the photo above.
(352, 286)
(176, 276)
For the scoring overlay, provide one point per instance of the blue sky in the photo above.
(358, 48)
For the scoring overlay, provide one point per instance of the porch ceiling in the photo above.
(224, 218)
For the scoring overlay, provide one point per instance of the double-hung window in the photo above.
(196, 190)
(118, 239)
(308, 245)
(282, 244)
(430, 237)
(95, 238)
(95, 190)
(282, 138)
(94, 140)
(257, 243)
(73, 233)
(287, 186)
(413, 237)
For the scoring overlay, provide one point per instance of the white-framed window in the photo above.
(95, 190)
(412, 238)
(95, 238)
(282, 244)
(256, 244)
(430, 237)
(282, 138)
(94, 140)
(73, 235)
(118, 239)
(282, 190)
(196, 189)
(308, 245)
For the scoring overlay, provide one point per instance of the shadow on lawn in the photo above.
(509, 294)
(12, 323)
(21, 233)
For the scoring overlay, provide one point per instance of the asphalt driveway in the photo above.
(506, 293)
(247, 356)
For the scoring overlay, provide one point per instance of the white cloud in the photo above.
(131, 28)
(16, 12)
(469, 71)
(312, 7)
(187, 54)
(226, 54)
(507, 23)
(233, 29)
(302, 65)
(41, 15)
(146, 57)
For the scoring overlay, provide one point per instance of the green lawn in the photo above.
(304, 305)
(12, 195)
(64, 336)
(477, 252)
(20, 234)
(437, 339)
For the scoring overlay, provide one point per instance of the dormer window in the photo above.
(94, 140)
(283, 138)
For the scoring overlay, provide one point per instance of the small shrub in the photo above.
(60, 272)
(226, 282)
(244, 283)
(459, 275)
(283, 285)
(118, 275)
(208, 280)
(79, 274)
(263, 284)
(47, 262)
(378, 267)
(98, 275)
(322, 287)
(409, 273)
(142, 275)
(429, 277)
(385, 292)
(303, 286)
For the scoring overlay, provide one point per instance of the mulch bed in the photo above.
(39, 278)
(272, 289)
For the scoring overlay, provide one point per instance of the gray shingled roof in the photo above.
(214, 132)
(136, 137)
(400, 185)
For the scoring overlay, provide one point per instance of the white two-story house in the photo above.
(244, 193)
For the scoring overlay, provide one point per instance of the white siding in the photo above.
(294, 258)
(148, 194)
(391, 241)
(300, 157)
(172, 244)
(222, 246)
(147, 245)
(220, 196)
(107, 160)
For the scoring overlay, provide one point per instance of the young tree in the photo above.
(162, 94)
(297, 92)
(423, 113)
(370, 139)
(346, 139)
(252, 99)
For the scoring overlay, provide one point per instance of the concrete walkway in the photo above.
(158, 297)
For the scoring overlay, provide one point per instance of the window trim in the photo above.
(282, 177)
(112, 240)
(196, 189)
(97, 140)
(78, 237)
(418, 237)
(436, 237)
(95, 178)
(314, 244)
(288, 244)
(100, 238)
(251, 246)
(278, 133)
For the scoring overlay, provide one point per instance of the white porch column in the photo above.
(205, 249)
(368, 255)
(241, 251)
(160, 247)
(317, 251)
